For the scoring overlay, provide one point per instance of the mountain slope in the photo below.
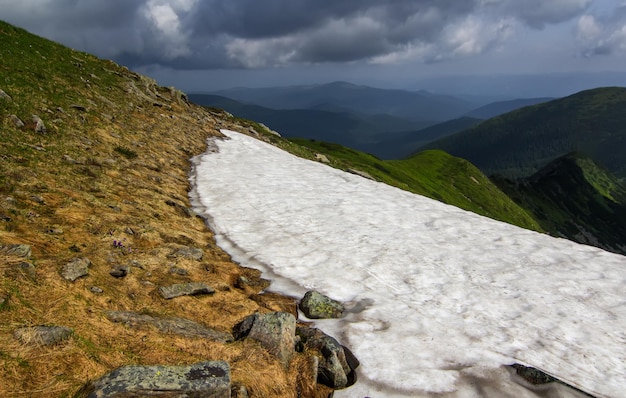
(414, 106)
(434, 174)
(346, 128)
(101, 173)
(501, 107)
(521, 142)
(574, 198)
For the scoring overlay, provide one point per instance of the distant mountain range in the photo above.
(519, 143)
(501, 107)
(417, 106)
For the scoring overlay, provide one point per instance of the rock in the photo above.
(179, 326)
(532, 375)
(321, 158)
(317, 306)
(19, 250)
(275, 331)
(75, 269)
(4, 302)
(120, 271)
(239, 391)
(26, 268)
(185, 289)
(96, 289)
(179, 271)
(17, 122)
(5, 96)
(42, 335)
(337, 364)
(190, 253)
(210, 379)
(361, 173)
(40, 127)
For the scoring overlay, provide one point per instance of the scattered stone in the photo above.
(40, 127)
(321, 158)
(120, 271)
(239, 391)
(42, 335)
(317, 306)
(17, 122)
(532, 375)
(55, 231)
(69, 159)
(38, 199)
(75, 269)
(185, 289)
(19, 250)
(337, 364)
(179, 326)
(96, 289)
(5, 96)
(4, 301)
(257, 283)
(129, 231)
(361, 173)
(190, 253)
(209, 379)
(26, 268)
(275, 331)
(179, 271)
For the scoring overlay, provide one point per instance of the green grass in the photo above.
(434, 174)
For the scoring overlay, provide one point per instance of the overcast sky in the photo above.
(212, 44)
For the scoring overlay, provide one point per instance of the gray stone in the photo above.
(5, 96)
(17, 122)
(27, 268)
(178, 326)
(190, 253)
(42, 335)
(96, 289)
(78, 107)
(19, 250)
(317, 306)
(75, 269)
(40, 127)
(239, 391)
(120, 271)
(185, 289)
(337, 364)
(209, 379)
(321, 158)
(275, 331)
(179, 271)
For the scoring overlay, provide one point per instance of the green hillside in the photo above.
(94, 165)
(434, 174)
(574, 198)
(519, 143)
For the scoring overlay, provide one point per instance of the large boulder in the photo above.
(209, 379)
(276, 331)
(337, 365)
(317, 306)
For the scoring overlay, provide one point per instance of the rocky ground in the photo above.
(102, 262)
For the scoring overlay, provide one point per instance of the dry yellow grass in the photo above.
(72, 193)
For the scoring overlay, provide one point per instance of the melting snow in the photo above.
(440, 298)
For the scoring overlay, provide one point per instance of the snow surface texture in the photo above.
(439, 298)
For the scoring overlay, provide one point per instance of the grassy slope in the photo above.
(101, 174)
(574, 198)
(519, 143)
(434, 174)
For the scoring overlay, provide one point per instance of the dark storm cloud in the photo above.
(197, 34)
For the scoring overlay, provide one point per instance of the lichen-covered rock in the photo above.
(185, 289)
(337, 364)
(77, 268)
(209, 379)
(276, 331)
(190, 253)
(179, 326)
(40, 127)
(42, 335)
(17, 122)
(317, 306)
(19, 250)
(4, 96)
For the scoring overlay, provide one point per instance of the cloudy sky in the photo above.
(212, 44)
